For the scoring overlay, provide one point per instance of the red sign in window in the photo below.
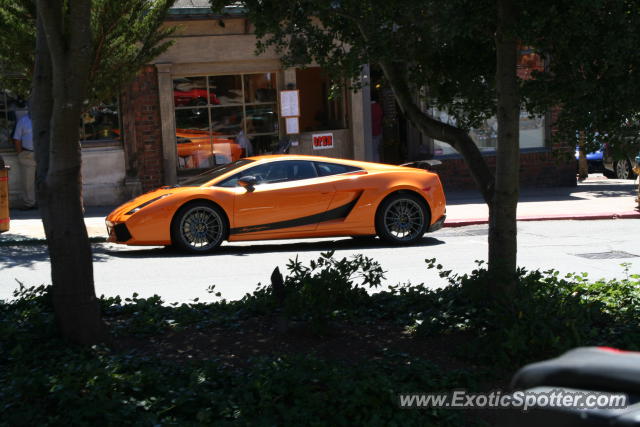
(322, 141)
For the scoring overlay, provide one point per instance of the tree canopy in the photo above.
(125, 35)
(446, 48)
(593, 68)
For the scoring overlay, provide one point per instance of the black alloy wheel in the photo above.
(199, 227)
(402, 219)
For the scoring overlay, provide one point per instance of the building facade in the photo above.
(210, 99)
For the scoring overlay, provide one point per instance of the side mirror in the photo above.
(248, 182)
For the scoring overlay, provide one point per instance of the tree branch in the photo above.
(456, 137)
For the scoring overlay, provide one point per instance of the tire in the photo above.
(623, 169)
(199, 227)
(609, 174)
(402, 219)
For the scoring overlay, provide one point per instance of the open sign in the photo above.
(322, 141)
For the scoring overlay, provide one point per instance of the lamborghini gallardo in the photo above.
(284, 197)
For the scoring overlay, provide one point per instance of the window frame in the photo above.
(243, 104)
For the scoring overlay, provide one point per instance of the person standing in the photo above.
(23, 140)
(243, 140)
(376, 130)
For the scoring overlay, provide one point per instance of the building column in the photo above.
(168, 127)
(289, 78)
(361, 119)
(288, 83)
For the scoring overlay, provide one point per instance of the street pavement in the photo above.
(596, 247)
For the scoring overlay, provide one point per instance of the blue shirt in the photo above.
(23, 133)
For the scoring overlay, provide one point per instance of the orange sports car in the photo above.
(284, 197)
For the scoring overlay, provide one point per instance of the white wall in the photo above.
(103, 174)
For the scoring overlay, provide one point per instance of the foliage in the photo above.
(548, 314)
(126, 35)
(100, 386)
(326, 287)
(17, 42)
(592, 71)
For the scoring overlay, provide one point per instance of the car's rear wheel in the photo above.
(402, 219)
(199, 227)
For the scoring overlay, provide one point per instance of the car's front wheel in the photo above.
(402, 219)
(198, 227)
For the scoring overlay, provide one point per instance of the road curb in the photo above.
(557, 217)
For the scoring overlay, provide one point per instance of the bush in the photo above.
(45, 381)
(325, 290)
(547, 315)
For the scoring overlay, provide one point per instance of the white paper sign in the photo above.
(322, 141)
(290, 103)
(292, 125)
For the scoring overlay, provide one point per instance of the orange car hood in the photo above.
(131, 204)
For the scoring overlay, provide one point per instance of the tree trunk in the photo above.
(583, 165)
(503, 246)
(60, 87)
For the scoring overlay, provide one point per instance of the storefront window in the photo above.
(532, 129)
(226, 90)
(220, 119)
(532, 133)
(12, 109)
(101, 123)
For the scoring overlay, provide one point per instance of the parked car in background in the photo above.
(594, 160)
(620, 162)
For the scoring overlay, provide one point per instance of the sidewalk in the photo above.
(595, 198)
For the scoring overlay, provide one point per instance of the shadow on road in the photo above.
(27, 254)
(245, 249)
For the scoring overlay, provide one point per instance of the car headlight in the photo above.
(147, 203)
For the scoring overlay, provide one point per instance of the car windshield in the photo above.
(215, 172)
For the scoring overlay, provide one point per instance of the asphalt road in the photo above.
(236, 268)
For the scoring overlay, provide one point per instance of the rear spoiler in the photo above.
(423, 164)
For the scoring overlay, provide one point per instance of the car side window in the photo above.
(274, 172)
(326, 169)
(299, 169)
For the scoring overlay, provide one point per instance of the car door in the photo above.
(289, 197)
